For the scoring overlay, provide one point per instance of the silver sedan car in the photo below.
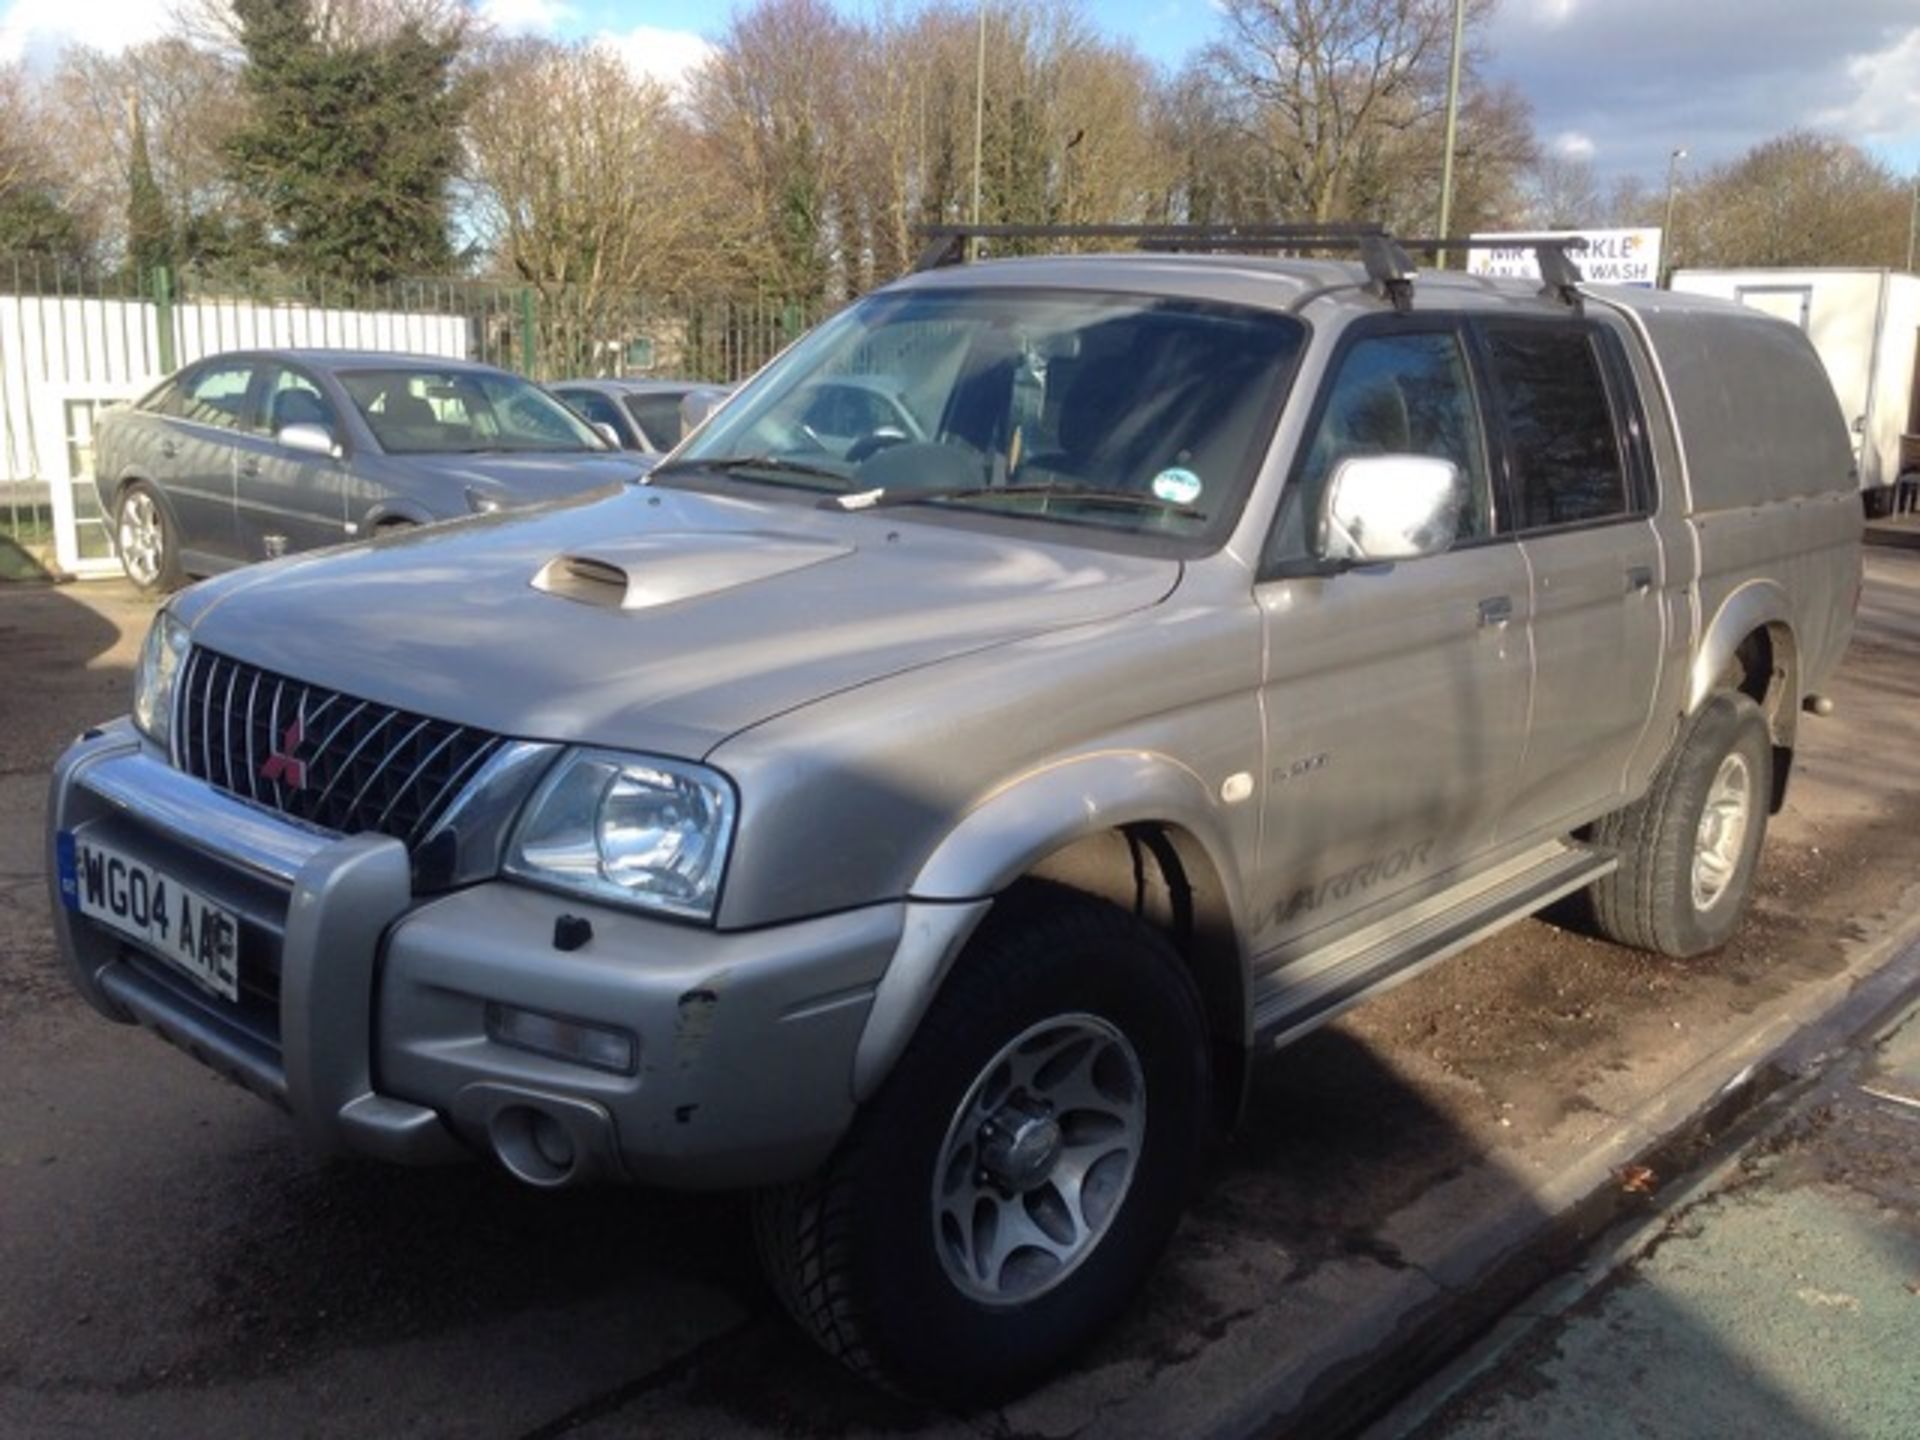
(244, 456)
(650, 415)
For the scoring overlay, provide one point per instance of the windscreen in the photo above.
(464, 412)
(1119, 411)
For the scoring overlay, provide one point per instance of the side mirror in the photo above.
(607, 433)
(1390, 507)
(310, 439)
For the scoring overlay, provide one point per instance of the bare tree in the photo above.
(1214, 176)
(20, 159)
(1798, 199)
(211, 25)
(1328, 84)
(587, 171)
(587, 187)
(189, 102)
(37, 214)
(777, 104)
(1561, 192)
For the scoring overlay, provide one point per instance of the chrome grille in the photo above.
(318, 755)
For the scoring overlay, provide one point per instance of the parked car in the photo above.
(927, 831)
(248, 455)
(651, 415)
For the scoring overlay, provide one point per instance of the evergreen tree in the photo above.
(149, 227)
(34, 222)
(350, 144)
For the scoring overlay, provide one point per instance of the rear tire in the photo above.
(145, 538)
(1018, 1174)
(1688, 847)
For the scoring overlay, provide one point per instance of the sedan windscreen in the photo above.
(464, 412)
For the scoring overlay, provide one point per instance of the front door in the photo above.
(1396, 695)
(287, 500)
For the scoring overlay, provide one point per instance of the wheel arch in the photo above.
(117, 491)
(1751, 646)
(1136, 829)
(116, 496)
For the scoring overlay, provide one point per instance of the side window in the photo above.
(164, 401)
(659, 417)
(293, 399)
(1567, 468)
(217, 395)
(595, 407)
(1392, 395)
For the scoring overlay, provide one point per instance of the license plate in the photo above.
(147, 905)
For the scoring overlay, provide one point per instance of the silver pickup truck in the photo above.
(923, 824)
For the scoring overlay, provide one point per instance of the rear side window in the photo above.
(217, 395)
(1565, 452)
(163, 401)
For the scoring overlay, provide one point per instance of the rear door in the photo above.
(1578, 484)
(194, 453)
(287, 500)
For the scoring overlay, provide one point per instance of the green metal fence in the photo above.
(552, 332)
(73, 339)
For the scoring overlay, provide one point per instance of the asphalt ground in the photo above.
(172, 1262)
(1777, 1297)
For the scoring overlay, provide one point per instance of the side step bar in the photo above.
(1310, 987)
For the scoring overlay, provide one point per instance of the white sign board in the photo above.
(1612, 257)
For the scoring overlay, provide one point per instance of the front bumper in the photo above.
(363, 1009)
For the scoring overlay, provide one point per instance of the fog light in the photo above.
(578, 1041)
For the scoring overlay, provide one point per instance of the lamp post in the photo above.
(1453, 126)
(1678, 154)
(1913, 221)
(979, 123)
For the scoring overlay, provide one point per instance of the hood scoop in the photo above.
(648, 571)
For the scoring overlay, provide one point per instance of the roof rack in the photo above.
(1389, 270)
(1557, 269)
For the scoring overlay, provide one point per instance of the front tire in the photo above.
(148, 544)
(1688, 847)
(1018, 1174)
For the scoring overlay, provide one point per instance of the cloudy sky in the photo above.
(1622, 82)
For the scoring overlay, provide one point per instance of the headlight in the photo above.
(161, 660)
(630, 829)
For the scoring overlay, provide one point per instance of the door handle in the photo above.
(249, 468)
(1496, 611)
(168, 449)
(1639, 579)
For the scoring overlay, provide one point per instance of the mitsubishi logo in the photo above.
(283, 767)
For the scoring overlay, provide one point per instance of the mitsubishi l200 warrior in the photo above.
(923, 825)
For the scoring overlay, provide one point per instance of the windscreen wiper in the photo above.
(1076, 494)
(778, 464)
